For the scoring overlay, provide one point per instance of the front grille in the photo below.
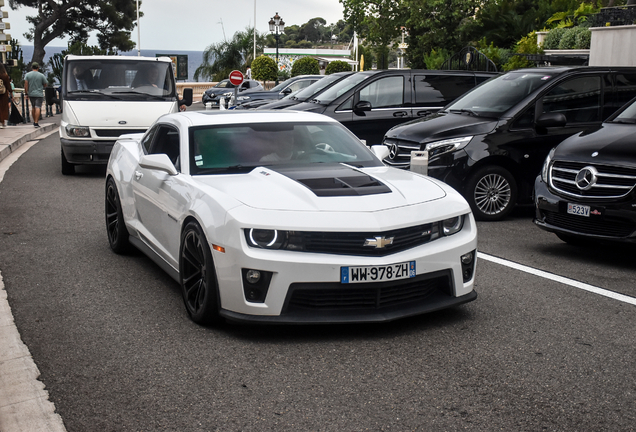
(607, 226)
(402, 158)
(367, 296)
(612, 181)
(114, 133)
(352, 243)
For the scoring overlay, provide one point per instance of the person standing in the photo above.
(34, 83)
(5, 97)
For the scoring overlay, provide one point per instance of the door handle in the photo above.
(400, 114)
(138, 175)
(423, 113)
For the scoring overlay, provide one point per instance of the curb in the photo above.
(44, 128)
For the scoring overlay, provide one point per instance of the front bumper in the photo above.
(608, 221)
(87, 152)
(306, 287)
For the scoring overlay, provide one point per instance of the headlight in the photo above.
(228, 94)
(452, 225)
(546, 166)
(438, 148)
(242, 98)
(78, 131)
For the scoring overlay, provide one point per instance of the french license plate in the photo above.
(579, 210)
(364, 274)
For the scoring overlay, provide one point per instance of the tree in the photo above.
(113, 20)
(305, 66)
(337, 66)
(264, 69)
(222, 58)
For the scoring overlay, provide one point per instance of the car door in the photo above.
(378, 106)
(157, 201)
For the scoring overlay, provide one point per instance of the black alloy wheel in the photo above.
(115, 226)
(491, 193)
(197, 276)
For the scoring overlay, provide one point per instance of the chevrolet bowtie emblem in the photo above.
(379, 242)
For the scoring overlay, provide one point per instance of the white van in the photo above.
(104, 97)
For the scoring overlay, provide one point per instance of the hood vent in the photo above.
(345, 186)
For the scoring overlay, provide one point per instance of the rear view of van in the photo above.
(104, 97)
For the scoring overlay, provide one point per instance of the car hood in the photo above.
(260, 94)
(117, 114)
(337, 188)
(612, 143)
(442, 126)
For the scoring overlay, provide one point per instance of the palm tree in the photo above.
(222, 58)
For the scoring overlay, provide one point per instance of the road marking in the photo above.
(571, 282)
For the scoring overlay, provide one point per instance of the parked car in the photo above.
(280, 91)
(587, 187)
(372, 102)
(287, 218)
(303, 95)
(490, 144)
(225, 89)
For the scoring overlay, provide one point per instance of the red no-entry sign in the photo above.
(236, 78)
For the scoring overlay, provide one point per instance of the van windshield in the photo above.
(341, 88)
(498, 95)
(118, 79)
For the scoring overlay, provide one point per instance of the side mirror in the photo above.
(160, 162)
(187, 97)
(287, 91)
(362, 106)
(547, 120)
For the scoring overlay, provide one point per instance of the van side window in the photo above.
(384, 93)
(166, 141)
(624, 91)
(439, 90)
(347, 105)
(579, 99)
(525, 120)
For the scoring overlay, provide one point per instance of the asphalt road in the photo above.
(117, 351)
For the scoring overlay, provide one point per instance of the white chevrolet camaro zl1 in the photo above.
(286, 217)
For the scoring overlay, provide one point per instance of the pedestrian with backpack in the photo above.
(34, 84)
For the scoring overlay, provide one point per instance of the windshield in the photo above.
(341, 88)
(224, 84)
(316, 87)
(627, 115)
(118, 79)
(498, 95)
(240, 148)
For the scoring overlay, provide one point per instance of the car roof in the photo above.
(204, 118)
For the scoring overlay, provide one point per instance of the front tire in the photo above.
(67, 167)
(115, 227)
(198, 277)
(491, 193)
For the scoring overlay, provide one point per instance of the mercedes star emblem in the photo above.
(393, 151)
(586, 178)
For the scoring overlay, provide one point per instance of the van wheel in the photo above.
(67, 167)
(491, 193)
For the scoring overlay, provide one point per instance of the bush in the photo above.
(264, 69)
(436, 58)
(526, 45)
(553, 38)
(305, 66)
(337, 66)
(583, 39)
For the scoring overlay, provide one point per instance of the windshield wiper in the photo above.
(466, 111)
(141, 93)
(92, 93)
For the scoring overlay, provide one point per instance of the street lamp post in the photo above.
(276, 26)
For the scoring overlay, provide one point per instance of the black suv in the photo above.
(490, 144)
(370, 103)
(587, 187)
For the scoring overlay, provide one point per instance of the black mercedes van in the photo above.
(370, 103)
(490, 143)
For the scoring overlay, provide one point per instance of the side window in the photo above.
(147, 139)
(578, 98)
(624, 91)
(166, 141)
(526, 119)
(347, 105)
(301, 84)
(386, 92)
(438, 90)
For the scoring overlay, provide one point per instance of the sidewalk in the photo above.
(24, 402)
(12, 137)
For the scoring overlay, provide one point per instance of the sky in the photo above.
(192, 25)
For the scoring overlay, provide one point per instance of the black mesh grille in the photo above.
(608, 226)
(114, 133)
(367, 296)
(348, 243)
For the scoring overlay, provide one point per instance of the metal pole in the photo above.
(138, 33)
(254, 57)
(276, 55)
